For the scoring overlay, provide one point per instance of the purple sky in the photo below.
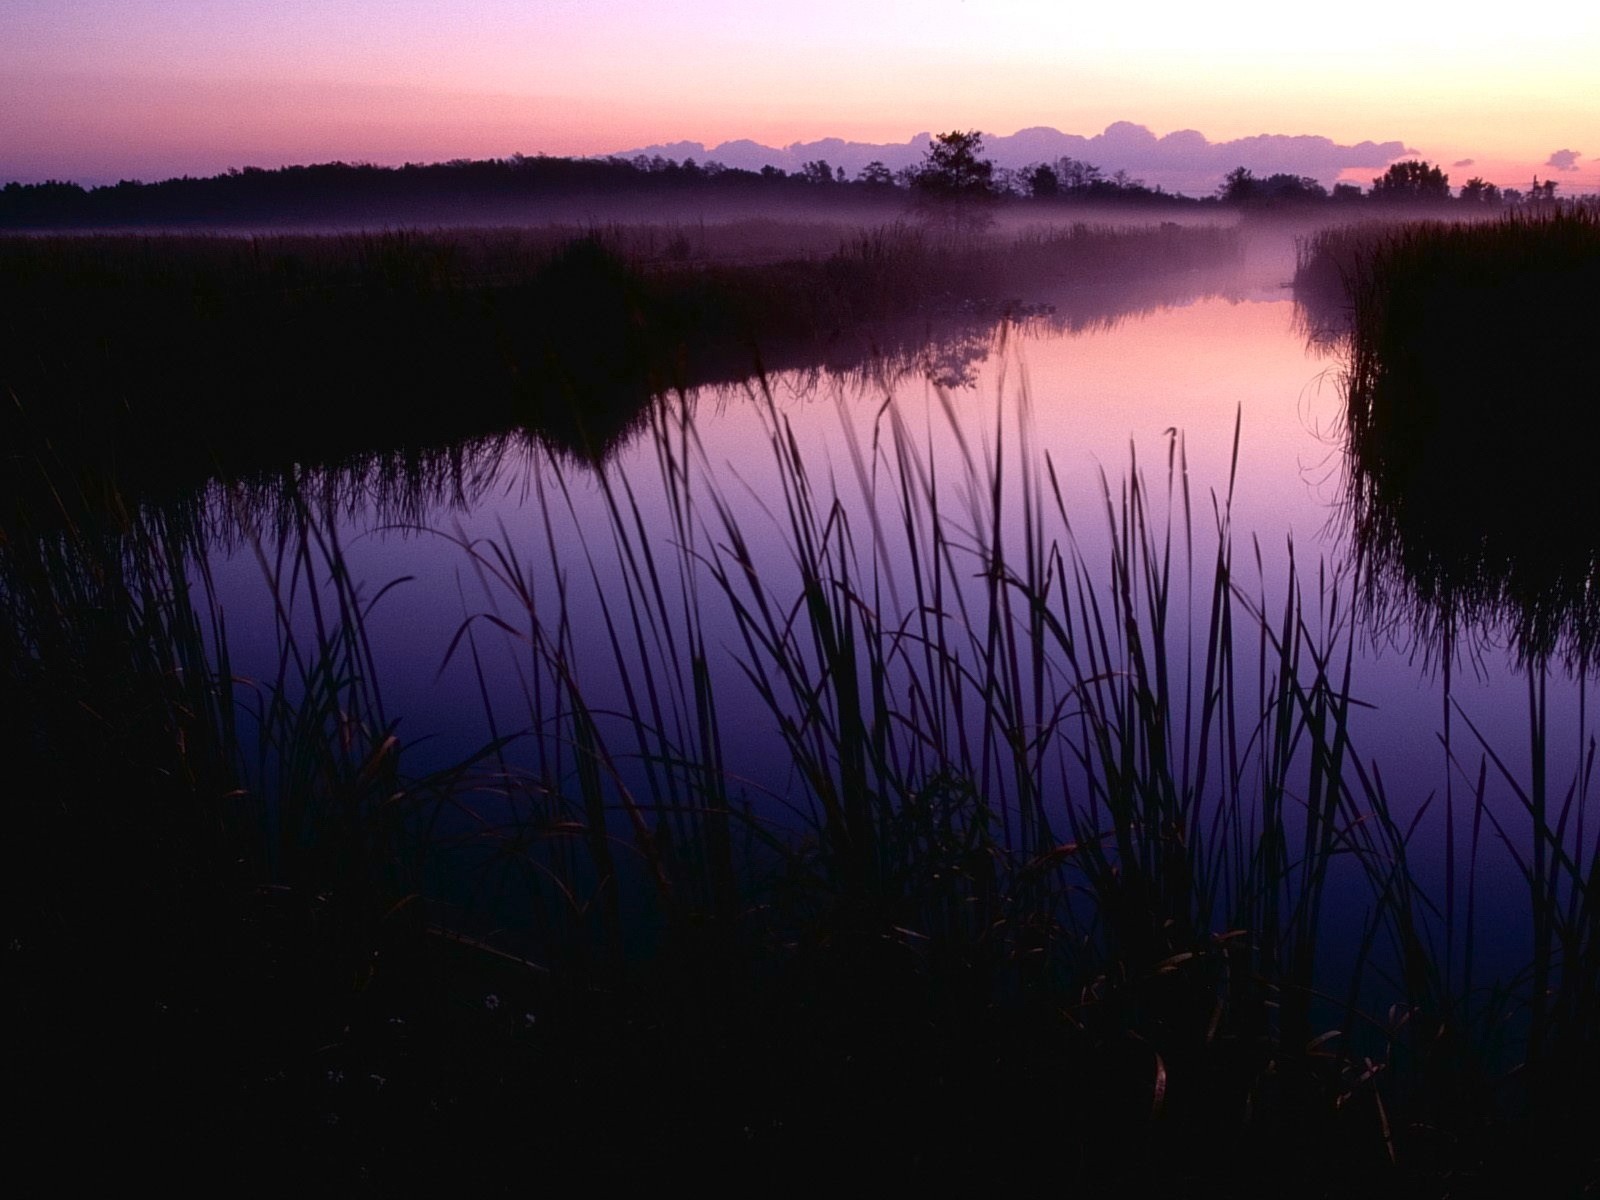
(102, 89)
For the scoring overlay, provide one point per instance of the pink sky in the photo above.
(103, 89)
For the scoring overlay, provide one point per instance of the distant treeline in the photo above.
(363, 192)
(503, 188)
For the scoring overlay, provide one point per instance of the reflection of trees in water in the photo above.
(948, 348)
(954, 363)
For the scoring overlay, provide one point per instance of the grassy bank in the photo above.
(1469, 418)
(172, 359)
(1066, 829)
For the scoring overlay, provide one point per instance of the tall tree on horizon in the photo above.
(1412, 180)
(954, 184)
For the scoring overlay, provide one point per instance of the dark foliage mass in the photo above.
(1067, 842)
(1472, 420)
(1242, 187)
(520, 189)
(1411, 180)
(503, 190)
(183, 358)
(352, 193)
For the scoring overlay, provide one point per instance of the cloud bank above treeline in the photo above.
(1182, 161)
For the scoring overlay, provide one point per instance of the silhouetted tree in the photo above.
(875, 174)
(1286, 188)
(1008, 182)
(817, 172)
(1043, 182)
(1076, 175)
(1238, 186)
(954, 184)
(1478, 191)
(952, 169)
(1242, 187)
(1413, 180)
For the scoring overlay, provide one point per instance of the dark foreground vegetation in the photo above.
(1080, 871)
(1072, 846)
(168, 360)
(1472, 419)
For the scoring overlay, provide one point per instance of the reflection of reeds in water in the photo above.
(165, 361)
(1470, 494)
(1470, 422)
(1047, 804)
(200, 865)
(1049, 808)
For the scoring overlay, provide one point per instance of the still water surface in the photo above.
(1227, 359)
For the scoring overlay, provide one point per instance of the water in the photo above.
(1224, 371)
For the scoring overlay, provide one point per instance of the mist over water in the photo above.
(1104, 383)
(500, 450)
(616, 657)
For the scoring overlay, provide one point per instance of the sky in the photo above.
(99, 90)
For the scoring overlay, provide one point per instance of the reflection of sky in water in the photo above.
(1094, 398)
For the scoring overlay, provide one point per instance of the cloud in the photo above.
(1564, 160)
(1182, 161)
(1463, 162)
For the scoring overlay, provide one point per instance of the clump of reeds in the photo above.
(1468, 418)
(1050, 809)
(119, 348)
(1468, 422)
(1122, 787)
(208, 870)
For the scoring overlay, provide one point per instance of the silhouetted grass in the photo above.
(1470, 419)
(165, 361)
(1065, 826)
(202, 869)
(1055, 870)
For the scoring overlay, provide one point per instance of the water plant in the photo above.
(884, 770)
(1466, 422)
(119, 347)
(1121, 788)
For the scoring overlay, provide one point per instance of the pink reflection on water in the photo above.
(1092, 398)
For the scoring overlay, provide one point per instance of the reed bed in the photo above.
(120, 349)
(1468, 419)
(1064, 810)
(1061, 818)
(1065, 774)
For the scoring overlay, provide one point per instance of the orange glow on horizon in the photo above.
(111, 88)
